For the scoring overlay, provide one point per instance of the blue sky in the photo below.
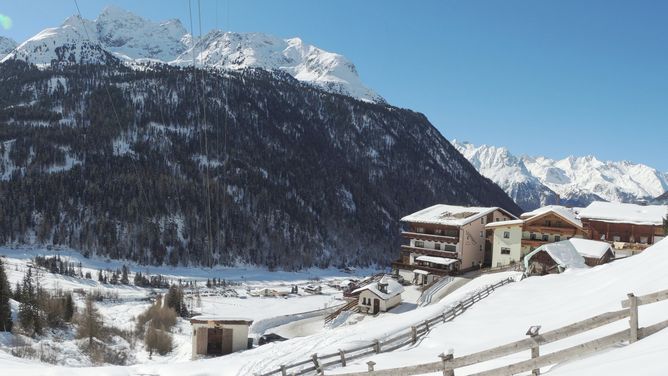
(547, 78)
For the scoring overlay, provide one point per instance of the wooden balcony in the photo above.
(440, 272)
(430, 237)
(429, 251)
(563, 231)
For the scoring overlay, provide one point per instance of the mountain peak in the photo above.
(133, 38)
(577, 180)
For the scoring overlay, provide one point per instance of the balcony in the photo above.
(563, 231)
(440, 272)
(431, 237)
(429, 251)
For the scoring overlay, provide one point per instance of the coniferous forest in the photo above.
(168, 165)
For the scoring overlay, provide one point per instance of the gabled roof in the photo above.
(562, 212)
(394, 288)
(451, 215)
(615, 212)
(563, 253)
(591, 248)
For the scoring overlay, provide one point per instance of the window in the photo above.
(482, 220)
(449, 247)
(505, 251)
(437, 246)
(617, 238)
(497, 219)
(480, 247)
(419, 229)
(419, 243)
(557, 238)
(506, 234)
(545, 237)
(482, 234)
(532, 236)
(438, 231)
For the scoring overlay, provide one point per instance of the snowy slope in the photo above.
(132, 38)
(577, 180)
(6, 46)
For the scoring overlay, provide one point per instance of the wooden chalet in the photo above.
(630, 225)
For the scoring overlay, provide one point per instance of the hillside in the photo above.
(575, 181)
(114, 161)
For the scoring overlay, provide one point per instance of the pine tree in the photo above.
(124, 278)
(69, 308)
(29, 308)
(5, 307)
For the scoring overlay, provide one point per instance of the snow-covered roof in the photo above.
(437, 260)
(567, 214)
(451, 215)
(394, 288)
(420, 271)
(615, 212)
(514, 222)
(221, 319)
(590, 248)
(563, 253)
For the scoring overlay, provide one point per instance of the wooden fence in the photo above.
(317, 363)
(448, 364)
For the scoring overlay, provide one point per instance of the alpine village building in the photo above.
(445, 239)
(638, 226)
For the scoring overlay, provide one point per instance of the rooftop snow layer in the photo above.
(562, 211)
(514, 222)
(563, 253)
(437, 260)
(394, 288)
(615, 212)
(590, 248)
(449, 215)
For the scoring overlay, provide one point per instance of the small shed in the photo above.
(553, 258)
(215, 336)
(594, 252)
(379, 296)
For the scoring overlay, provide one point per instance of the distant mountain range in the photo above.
(134, 39)
(268, 152)
(574, 181)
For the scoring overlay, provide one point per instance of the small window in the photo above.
(437, 246)
(545, 237)
(532, 236)
(438, 231)
(482, 234)
(557, 238)
(506, 234)
(497, 219)
(419, 229)
(505, 251)
(419, 243)
(482, 220)
(480, 247)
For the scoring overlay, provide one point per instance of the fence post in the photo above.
(370, 365)
(414, 334)
(447, 370)
(316, 363)
(343, 357)
(284, 372)
(535, 350)
(633, 317)
(376, 346)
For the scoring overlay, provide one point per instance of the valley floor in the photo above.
(550, 301)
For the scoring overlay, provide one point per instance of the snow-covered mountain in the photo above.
(6, 46)
(576, 180)
(134, 39)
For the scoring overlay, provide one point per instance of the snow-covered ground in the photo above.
(550, 301)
